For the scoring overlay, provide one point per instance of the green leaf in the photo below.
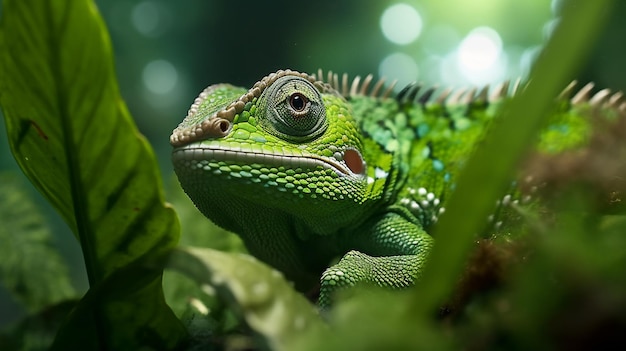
(264, 299)
(72, 135)
(30, 267)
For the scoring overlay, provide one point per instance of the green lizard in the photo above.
(308, 169)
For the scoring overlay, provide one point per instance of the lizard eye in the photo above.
(294, 110)
(298, 102)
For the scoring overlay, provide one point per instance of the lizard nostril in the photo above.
(224, 126)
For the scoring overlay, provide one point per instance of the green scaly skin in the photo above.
(307, 171)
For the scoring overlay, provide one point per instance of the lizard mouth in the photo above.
(348, 163)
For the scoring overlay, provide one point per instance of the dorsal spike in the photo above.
(413, 92)
(376, 90)
(568, 91)
(469, 96)
(344, 85)
(482, 96)
(455, 97)
(500, 91)
(402, 93)
(516, 86)
(410, 93)
(616, 99)
(425, 98)
(366, 84)
(355, 86)
(600, 98)
(583, 94)
(441, 98)
(389, 90)
(407, 93)
(329, 77)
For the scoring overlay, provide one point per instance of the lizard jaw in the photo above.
(350, 164)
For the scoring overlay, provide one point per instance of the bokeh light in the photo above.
(146, 18)
(480, 58)
(160, 77)
(480, 49)
(401, 24)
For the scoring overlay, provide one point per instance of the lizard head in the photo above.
(286, 147)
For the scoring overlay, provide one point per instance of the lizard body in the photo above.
(307, 169)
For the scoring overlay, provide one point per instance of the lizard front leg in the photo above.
(389, 251)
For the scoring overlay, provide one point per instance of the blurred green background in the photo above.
(166, 52)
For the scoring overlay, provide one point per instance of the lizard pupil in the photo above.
(298, 102)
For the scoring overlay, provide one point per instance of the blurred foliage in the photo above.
(557, 282)
(31, 267)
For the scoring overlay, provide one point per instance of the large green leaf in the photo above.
(72, 135)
